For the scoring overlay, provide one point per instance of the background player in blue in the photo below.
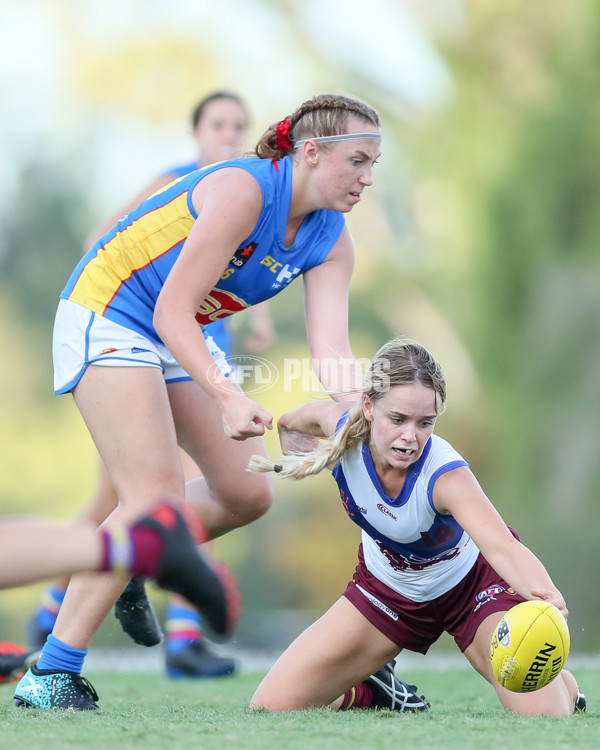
(219, 128)
(435, 555)
(127, 342)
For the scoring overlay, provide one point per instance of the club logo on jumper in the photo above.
(350, 506)
(242, 255)
(489, 592)
(284, 274)
(398, 561)
(384, 509)
(218, 304)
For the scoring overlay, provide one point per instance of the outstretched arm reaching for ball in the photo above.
(458, 492)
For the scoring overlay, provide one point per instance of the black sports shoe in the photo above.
(391, 693)
(136, 614)
(580, 703)
(184, 570)
(47, 688)
(14, 660)
(197, 660)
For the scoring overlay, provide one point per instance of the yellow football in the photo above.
(529, 646)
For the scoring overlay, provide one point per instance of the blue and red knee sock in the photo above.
(183, 626)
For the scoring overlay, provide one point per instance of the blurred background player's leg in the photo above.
(188, 654)
(100, 506)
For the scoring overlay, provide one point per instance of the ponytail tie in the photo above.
(282, 139)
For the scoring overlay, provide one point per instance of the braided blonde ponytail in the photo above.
(399, 362)
(324, 456)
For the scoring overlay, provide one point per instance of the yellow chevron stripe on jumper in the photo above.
(136, 246)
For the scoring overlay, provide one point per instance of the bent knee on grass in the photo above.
(556, 699)
(281, 700)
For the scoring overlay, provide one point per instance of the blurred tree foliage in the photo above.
(488, 242)
(515, 160)
(41, 238)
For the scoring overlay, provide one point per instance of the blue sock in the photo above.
(47, 612)
(183, 626)
(60, 656)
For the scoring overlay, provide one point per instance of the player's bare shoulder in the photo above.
(231, 188)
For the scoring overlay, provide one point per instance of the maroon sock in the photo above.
(148, 547)
(131, 550)
(360, 696)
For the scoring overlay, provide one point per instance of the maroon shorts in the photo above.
(417, 625)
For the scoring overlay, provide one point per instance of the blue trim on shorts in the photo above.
(87, 336)
(182, 379)
(126, 359)
(117, 355)
(69, 387)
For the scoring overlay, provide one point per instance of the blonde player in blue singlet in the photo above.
(219, 128)
(128, 339)
(435, 555)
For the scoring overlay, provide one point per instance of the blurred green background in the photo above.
(479, 238)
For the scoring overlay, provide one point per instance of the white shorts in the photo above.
(82, 338)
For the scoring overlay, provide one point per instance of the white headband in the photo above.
(342, 137)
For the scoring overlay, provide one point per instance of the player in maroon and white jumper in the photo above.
(435, 555)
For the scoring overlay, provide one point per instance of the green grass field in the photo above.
(148, 711)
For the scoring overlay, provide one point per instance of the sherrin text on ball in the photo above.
(530, 646)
